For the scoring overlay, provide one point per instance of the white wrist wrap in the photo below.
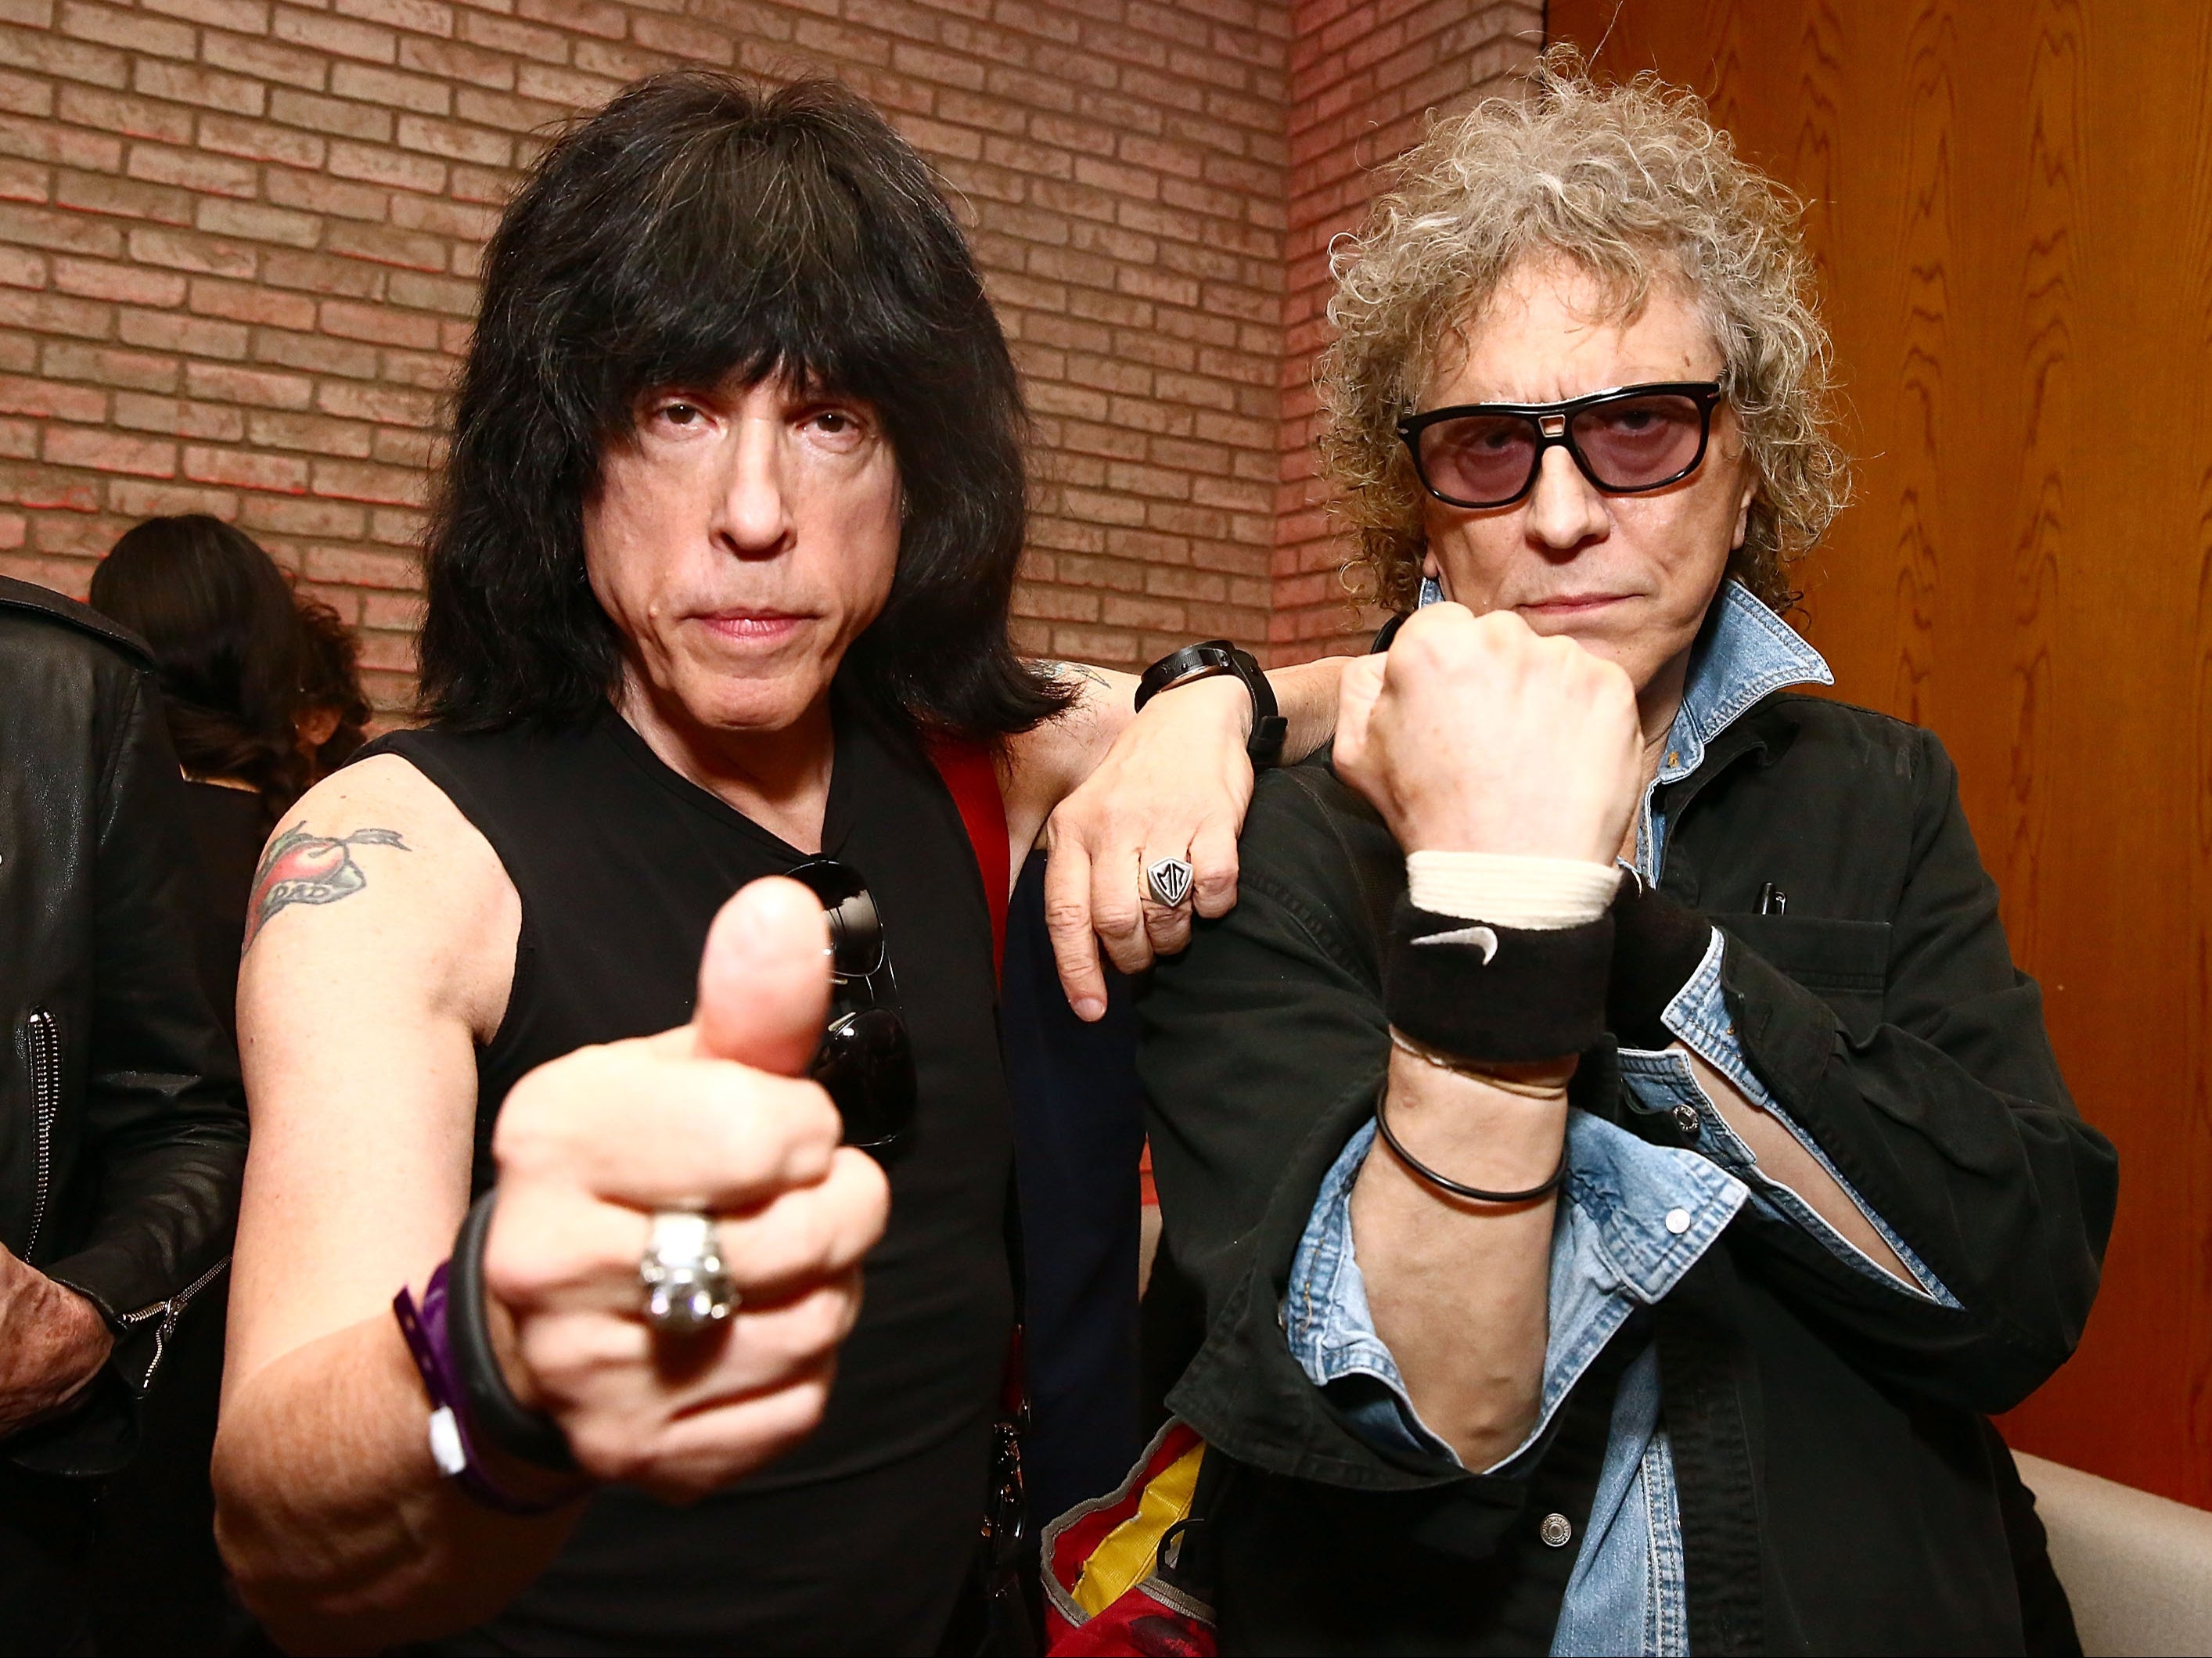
(1537, 893)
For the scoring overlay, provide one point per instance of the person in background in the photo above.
(229, 648)
(122, 1126)
(334, 710)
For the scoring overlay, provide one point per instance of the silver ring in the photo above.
(1168, 879)
(681, 1277)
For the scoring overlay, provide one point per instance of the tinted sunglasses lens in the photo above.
(1634, 443)
(1479, 460)
(866, 1066)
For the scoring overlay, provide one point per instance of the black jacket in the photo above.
(122, 1122)
(1838, 1490)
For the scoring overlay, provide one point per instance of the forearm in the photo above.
(52, 1345)
(1782, 1158)
(1459, 1290)
(1306, 697)
(332, 1517)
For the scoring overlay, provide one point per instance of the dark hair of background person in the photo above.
(227, 640)
(330, 682)
(694, 229)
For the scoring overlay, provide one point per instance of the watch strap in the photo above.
(1208, 660)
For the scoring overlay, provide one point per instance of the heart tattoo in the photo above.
(300, 868)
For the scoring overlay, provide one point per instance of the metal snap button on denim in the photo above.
(1686, 1118)
(1557, 1531)
(1678, 1221)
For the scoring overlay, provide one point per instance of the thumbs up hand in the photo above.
(715, 1116)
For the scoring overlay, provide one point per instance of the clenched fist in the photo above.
(1476, 734)
(717, 1115)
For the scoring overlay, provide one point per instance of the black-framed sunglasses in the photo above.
(866, 1062)
(1625, 441)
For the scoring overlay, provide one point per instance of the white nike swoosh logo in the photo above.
(1482, 936)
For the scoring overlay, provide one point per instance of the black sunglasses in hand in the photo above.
(1625, 441)
(866, 1062)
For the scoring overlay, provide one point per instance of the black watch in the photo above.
(1218, 656)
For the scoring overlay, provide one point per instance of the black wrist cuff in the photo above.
(1657, 944)
(1511, 995)
(495, 1413)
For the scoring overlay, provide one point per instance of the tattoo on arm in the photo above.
(1076, 671)
(300, 868)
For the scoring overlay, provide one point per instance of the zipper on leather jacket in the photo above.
(169, 1312)
(46, 1045)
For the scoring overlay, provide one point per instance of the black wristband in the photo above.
(495, 1413)
(1511, 995)
(1657, 944)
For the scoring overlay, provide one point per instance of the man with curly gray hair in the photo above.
(1614, 1159)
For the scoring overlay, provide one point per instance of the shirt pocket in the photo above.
(1844, 964)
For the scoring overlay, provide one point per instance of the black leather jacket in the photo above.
(122, 1122)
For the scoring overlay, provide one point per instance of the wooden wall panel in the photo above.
(2012, 209)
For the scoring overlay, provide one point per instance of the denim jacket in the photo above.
(1634, 1216)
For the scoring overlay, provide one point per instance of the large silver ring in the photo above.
(681, 1276)
(1168, 879)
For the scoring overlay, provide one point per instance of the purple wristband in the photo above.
(452, 1446)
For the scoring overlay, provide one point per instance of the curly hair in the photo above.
(1633, 183)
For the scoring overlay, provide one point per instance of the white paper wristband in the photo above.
(1538, 894)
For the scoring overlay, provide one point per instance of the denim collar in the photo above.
(1745, 652)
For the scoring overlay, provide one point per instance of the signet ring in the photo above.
(1168, 880)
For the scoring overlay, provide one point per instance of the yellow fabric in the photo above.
(1125, 1556)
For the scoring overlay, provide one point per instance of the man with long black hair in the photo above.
(719, 587)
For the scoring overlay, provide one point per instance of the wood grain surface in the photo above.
(2011, 206)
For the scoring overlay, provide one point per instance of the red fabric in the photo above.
(1140, 1624)
(1136, 1626)
(972, 776)
(1147, 1194)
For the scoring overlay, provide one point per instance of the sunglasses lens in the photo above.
(866, 1065)
(1479, 460)
(856, 931)
(856, 936)
(1633, 443)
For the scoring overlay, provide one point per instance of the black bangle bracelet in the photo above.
(495, 1414)
(1445, 1182)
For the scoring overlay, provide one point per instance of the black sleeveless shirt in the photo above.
(859, 1539)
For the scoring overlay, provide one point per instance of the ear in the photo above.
(1743, 514)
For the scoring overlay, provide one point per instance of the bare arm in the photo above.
(1460, 1292)
(1475, 737)
(379, 952)
(361, 1014)
(1782, 1158)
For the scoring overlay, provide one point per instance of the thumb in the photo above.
(764, 978)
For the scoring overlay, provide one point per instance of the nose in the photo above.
(1565, 510)
(752, 515)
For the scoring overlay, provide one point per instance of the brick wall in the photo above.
(1362, 74)
(238, 239)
